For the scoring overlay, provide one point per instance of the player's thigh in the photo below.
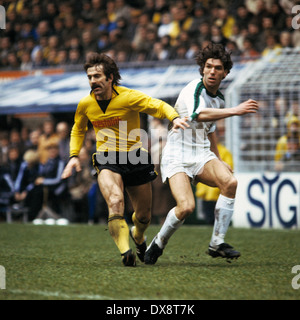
(141, 200)
(215, 174)
(180, 185)
(111, 185)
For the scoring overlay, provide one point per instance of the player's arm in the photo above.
(158, 109)
(214, 114)
(76, 141)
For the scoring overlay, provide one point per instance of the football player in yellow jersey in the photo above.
(120, 161)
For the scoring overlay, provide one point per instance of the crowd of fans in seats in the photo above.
(58, 33)
(31, 164)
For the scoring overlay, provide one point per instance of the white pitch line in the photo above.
(60, 295)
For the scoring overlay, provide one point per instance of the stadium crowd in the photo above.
(31, 164)
(59, 33)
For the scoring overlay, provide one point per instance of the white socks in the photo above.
(223, 215)
(171, 224)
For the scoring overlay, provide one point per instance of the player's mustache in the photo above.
(95, 86)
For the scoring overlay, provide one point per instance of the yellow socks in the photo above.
(119, 231)
(139, 230)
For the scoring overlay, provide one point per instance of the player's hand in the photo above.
(73, 163)
(249, 106)
(180, 123)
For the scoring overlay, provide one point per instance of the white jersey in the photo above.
(188, 150)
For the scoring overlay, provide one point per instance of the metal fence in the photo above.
(274, 81)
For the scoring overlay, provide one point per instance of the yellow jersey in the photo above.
(118, 128)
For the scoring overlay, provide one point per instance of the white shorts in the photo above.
(191, 166)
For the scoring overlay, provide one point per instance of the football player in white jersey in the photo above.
(191, 155)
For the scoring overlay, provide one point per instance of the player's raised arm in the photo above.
(211, 114)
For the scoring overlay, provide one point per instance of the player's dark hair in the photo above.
(108, 64)
(214, 51)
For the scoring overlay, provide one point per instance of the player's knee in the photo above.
(144, 215)
(185, 209)
(230, 187)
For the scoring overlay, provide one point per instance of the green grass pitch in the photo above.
(79, 262)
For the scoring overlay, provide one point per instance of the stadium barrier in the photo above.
(268, 200)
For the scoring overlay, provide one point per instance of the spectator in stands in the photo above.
(165, 27)
(48, 136)
(4, 146)
(280, 109)
(38, 60)
(26, 191)
(278, 16)
(272, 43)
(243, 17)
(122, 10)
(15, 140)
(225, 22)
(26, 62)
(25, 138)
(255, 35)
(285, 39)
(192, 51)
(13, 62)
(204, 32)
(14, 162)
(287, 156)
(88, 42)
(293, 131)
(63, 132)
(43, 29)
(179, 52)
(74, 57)
(238, 36)
(216, 35)
(294, 110)
(34, 137)
(62, 57)
(52, 60)
(50, 178)
(249, 50)
(233, 48)
(6, 189)
(103, 41)
(181, 21)
(267, 27)
(200, 16)
(139, 41)
(58, 26)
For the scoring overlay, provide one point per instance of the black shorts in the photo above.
(135, 167)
